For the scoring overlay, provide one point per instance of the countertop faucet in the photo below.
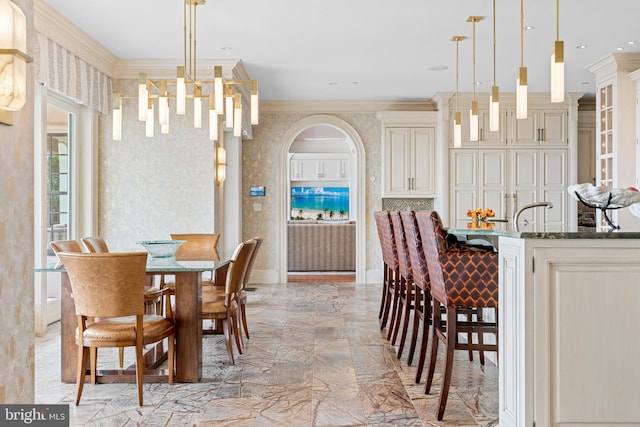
(549, 205)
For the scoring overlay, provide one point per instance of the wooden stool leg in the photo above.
(448, 364)
(408, 298)
(399, 310)
(417, 314)
(435, 340)
(480, 336)
(426, 310)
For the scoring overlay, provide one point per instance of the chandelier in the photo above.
(154, 94)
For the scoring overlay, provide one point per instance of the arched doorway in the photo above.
(357, 186)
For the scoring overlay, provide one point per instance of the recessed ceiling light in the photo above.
(528, 27)
(619, 48)
(333, 83)
(478, 83)
(586, 83)
(582, 46)
(631, 42)
(355, 83)
(226, 48)
(437, 68)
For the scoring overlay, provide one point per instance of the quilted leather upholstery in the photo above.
(458, 278)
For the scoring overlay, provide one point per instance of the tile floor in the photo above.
(316, 357)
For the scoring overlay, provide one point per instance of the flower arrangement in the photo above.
(480, 218)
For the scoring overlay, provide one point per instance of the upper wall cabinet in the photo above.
(316, 167)
(546, 125)
(409, 153)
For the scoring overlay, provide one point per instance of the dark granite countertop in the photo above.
(546, 235)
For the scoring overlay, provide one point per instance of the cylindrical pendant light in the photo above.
(197, 107)
(457, 123)
(473, 111)
(143, 97)
(218, 89)
(254, 102)
(117, 118)
(494, 98)
(557, 63)
(213, 119)
(181, 91)
(150, 123)
(237, 115)
(521, 81)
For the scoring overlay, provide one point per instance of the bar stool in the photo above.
(422, 295)
(390, 265)
(405, 284)
(460, 280)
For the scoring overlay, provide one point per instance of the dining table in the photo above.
(187, 314)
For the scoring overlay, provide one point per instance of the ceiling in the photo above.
(361, 50)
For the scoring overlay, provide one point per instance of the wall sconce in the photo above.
(13, 60)
(221, 164)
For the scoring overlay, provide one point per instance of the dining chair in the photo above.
(226, 309)
(461, 280)
(153, 296)
(391, 274)
(242, 296)
(108, 292)
(197, 247)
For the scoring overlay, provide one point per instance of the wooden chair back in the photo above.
(65, 246)
(252, 260)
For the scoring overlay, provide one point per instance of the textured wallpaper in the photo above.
(262, 165)
(16, 249)
(151, 187)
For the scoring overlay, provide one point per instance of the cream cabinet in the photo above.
(507, 179)
(545, 127)
(409, 153)
(568, 353)
(542, 127)
(315, 167)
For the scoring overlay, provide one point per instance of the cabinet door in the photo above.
(397, 166)
(423, 176)
(524, 176)
(329, 169)
(309, 170)
(497, 138)
(464, 185)
(525, 131)
(492, 182)
(343, 171)
(553, 188)
(553, 127)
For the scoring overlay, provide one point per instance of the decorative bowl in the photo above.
(161, 248)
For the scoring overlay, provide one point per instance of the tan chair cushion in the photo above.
(123, 327)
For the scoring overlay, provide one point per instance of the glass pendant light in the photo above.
(494, 98)
(457, 124)
(521, 81)
(473, 112)
(557, 63)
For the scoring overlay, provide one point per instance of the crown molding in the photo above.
(606, 68)
(48, 22)
(343, 106)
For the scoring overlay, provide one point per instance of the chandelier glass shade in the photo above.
(220, 94)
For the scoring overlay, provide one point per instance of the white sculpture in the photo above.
(605, 198)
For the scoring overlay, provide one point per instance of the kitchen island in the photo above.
(569, 334)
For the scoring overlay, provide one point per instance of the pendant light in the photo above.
(494, 98)
(521, 82)
(473, 112)
(557, 63)
(457, 124)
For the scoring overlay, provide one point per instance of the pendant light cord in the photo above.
(557, 19)
(521, 33)
(474, 60)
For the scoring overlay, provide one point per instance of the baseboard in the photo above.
(374, 276)
(264, 276)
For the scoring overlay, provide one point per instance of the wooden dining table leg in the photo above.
(68, 324)
(188, 315)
